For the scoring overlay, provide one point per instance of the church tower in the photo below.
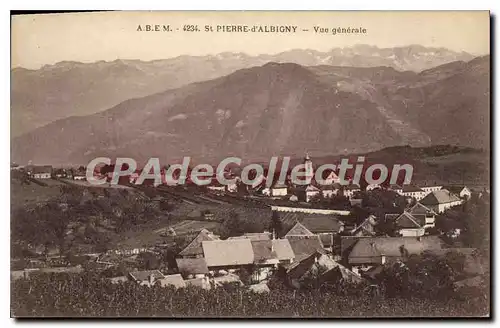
(308, 168)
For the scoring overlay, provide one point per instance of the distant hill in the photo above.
(279, 109)
(66, 89)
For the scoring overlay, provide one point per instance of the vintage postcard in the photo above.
(250, 164)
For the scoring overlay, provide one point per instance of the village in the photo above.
(328, 232)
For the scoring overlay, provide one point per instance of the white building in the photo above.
(461, 191)
(441, 200)
(413, 192)
(279, 190)
(430, 215)
(41, 172)
(429, 189)
(311, 192)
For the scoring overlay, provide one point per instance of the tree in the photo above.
(276, 224)
(148, 261)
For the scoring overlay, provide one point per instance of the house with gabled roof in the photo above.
(369, 251)
(430, 215)
(146, 278)
(320, 267)
(228, 254)
(268, 254)
(461, 191)
(305, 245)
(441, 200)
(409, 225)
(366, 228)
(325, 226)
(272, 252)
(194, 249)
(299, 230)
(331, 178)
(174, 280)
(41, 171)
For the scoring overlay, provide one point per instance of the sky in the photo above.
(46, 39)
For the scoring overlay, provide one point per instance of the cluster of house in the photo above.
(294, 192)
(321, 246)
(331, 186)
(321, 243)
(429, 195)
(48, 172)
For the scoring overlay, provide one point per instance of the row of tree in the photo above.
(89, 295)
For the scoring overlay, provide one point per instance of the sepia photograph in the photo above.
(250, 164)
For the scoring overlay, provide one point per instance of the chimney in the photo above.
(274, 234)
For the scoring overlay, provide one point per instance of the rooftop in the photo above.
(366, 247)
(144, 275)
(324, 223)
(442, 196)
(194, 247)
(173, 280)
(228, 252)
(305, 245)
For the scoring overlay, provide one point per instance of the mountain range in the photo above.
(279, 109)
(65, 89)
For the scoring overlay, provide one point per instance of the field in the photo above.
(32, 193)
(152, 234)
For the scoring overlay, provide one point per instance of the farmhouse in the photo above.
(41, 172)
(460, 191)
(441, 200)
(358, 251)
(406, 224)
(430, 216)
